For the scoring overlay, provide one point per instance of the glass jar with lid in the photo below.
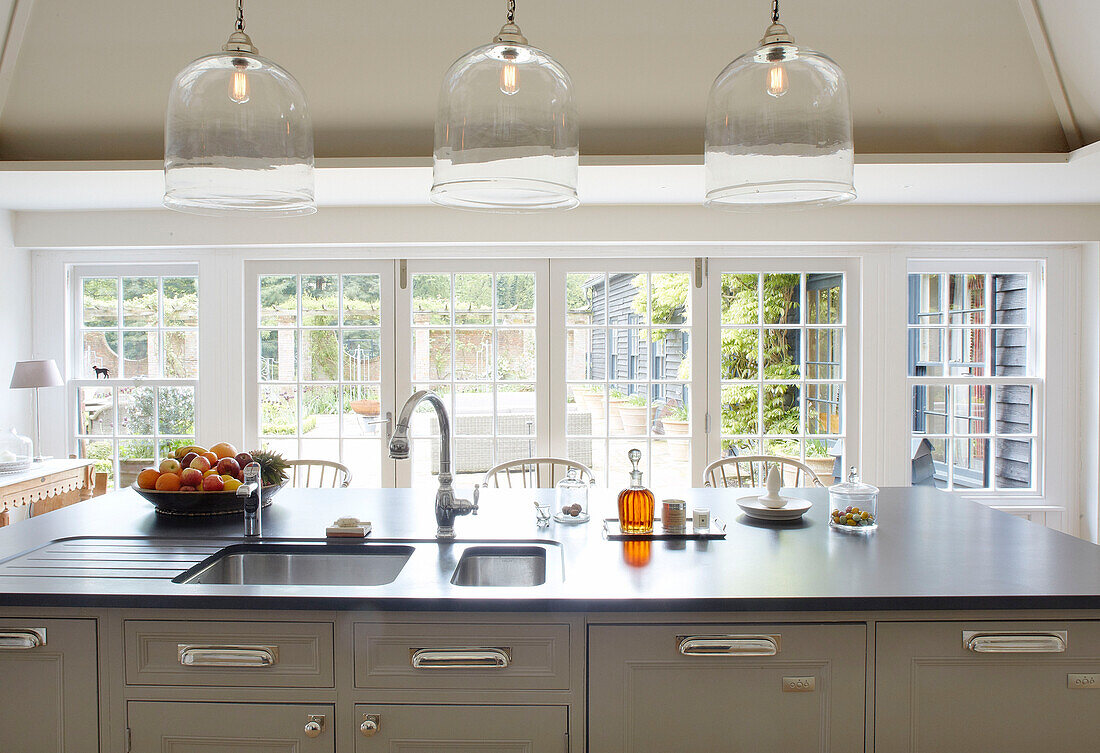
(853, 505)
(16, 452)
(572, 500)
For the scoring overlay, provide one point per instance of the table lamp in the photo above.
(36, 374)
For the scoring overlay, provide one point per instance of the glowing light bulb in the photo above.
(238, 84)
(777, 80)
(509, 76)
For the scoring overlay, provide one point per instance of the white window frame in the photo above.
(697, 332)
(253, 271)
(75, 356)
(850, 380)
(1035, 269)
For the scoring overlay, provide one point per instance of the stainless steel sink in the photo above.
(297, 565)
(501, 566)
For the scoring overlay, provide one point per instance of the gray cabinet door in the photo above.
(48, 692)
(721, 687)
(1031, 686)
(175, 727)
(461, 729)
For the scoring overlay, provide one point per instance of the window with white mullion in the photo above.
(975, 383)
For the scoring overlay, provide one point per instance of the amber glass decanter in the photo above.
(636, 503)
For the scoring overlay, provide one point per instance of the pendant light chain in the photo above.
(511, 11)
(775, 11)
(240, 15)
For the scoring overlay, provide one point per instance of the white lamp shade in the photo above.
(29, 374)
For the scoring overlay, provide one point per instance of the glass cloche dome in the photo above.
(506, 134)
(779, 129)
(238, 137)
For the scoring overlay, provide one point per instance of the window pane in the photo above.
(140, 302)
(516, 354)
(516, 409)
(516, 299)
(823, 353)
(100, 301)
(181, 354)
(970, 409)
(628, 298)
(181, 302)
(1010, 300)
(176, 410)
(925, 306)
(103, 453)
(473, 299)
(740, 353)
(671, 298)
(473, 354)
(96, 410)
(1010, 352)
(926, 352)
(431, 299)
(135, 410)
(431, 354)
(362, 408)
(823, 298)
(930, 409)
(278, 301)
(629, 354)
(278, 355)
(967, 297)
(1014, 409)
(781, 409)
(781, 354)
(362, 300)
(823, 408)
(740, 299)
(581, 299)
(278, 411)
(133, 456)
(473, 410)
(740, 410)
(585, 351)
(967, 351)
(141, 353)
(319, 301)
(362, 355)
(969, 457)
(586, 413)
(781, 299)
(100, 354)
(320, 355)
(1014, 464)
(320, 415)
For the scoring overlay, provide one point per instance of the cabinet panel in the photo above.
(229, 654)
(462, 729)
(935, 695)
(704, 688)
(229, 727)
(461, 656)
(48, 693)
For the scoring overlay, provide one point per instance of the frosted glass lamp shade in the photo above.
(506, 133)
(28, 374)
(779, 131)
(238, 138)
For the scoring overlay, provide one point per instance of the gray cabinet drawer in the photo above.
(460, 729)
(727, 687)
(229, 654)
(963, 686)
(461, 656)
(224, 727)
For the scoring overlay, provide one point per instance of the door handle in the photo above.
(1013, 642)
(227, 656)
(22, 639)
(729, 645)
(388, 421)
(460, 658)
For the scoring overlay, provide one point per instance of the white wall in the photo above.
(15, 327)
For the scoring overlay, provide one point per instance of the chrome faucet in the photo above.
(251, 492)
(446, 506)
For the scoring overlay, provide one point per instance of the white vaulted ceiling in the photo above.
(84, 80)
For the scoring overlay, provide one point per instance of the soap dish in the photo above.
(348, 528)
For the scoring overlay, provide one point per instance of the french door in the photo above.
(320, 362)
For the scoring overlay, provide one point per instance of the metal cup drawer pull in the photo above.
(18, 640)
(191, 655)
(460, 658)
(729, 645)
(1009, 642)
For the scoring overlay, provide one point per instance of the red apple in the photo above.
(191, 477)
(201, 464)
(213, 483)
(188, 489)
(243, 459)
(186, 462)
(228, 467)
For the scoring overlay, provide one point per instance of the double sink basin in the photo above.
(501, 564)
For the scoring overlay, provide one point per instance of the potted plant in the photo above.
(634, 414)
(615, 401)
(817, 458)
(676, 421)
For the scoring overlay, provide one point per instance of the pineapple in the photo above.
(273, 467)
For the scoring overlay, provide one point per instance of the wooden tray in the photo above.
(611, 532)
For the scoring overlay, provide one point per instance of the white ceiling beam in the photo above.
(1036, 28)
(19, 18)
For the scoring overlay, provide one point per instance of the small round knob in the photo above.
(369, 727)
(313, 729)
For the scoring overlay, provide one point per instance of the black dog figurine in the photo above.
(101, 371)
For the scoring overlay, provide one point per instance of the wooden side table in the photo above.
(46, 486)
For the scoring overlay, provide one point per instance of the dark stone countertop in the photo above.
(931, 551)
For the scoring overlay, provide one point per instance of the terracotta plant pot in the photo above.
(366, 407)
(634, 418)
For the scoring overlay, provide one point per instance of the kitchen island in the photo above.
(952, 627)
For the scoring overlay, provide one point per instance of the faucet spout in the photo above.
(447, 507)
(250, 492)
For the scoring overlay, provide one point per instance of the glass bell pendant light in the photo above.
(779, 129)
(506, 134)
(238, 137)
